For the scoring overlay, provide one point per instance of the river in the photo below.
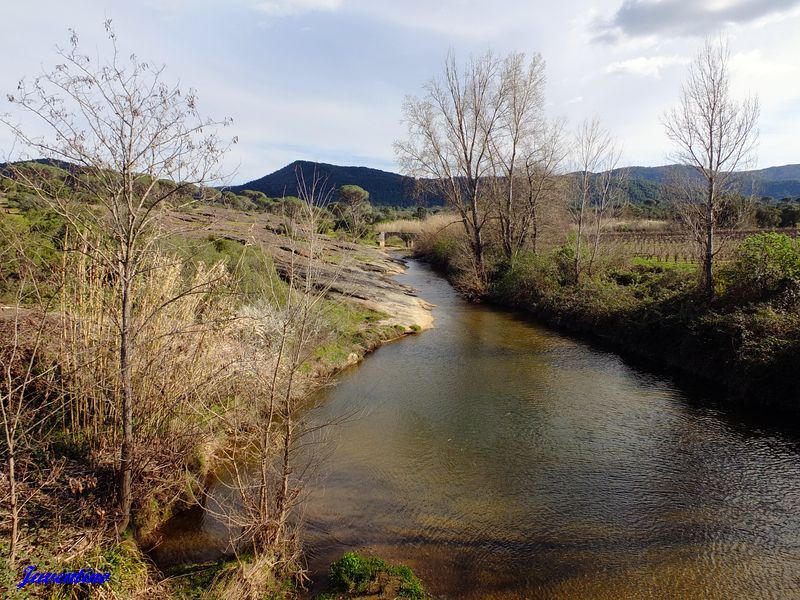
(499, 459)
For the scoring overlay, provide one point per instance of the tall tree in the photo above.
(449, 142)
(715, 135)
(521, 129)
(526, 153)
(609, 196)
(137, 146)
(596, 156)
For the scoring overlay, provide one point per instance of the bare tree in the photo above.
(715, 136)
(516, 140)
(609, 198)
(137, 146)
(449, 141)
(539, 188)
(596, 157)
(263, 475)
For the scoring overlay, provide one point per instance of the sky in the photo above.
(324, 80)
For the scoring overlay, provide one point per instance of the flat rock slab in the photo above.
(353, 272)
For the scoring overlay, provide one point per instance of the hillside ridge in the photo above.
(387, 188)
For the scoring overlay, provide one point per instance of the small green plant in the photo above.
(354, 573)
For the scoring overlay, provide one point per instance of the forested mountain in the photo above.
(774, 182)
(392, 189)
(645, 184)
(385, 188)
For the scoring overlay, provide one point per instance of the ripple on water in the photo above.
(501, 460)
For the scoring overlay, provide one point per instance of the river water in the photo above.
(499, 459)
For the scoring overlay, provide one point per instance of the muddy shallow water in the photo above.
(501, 460)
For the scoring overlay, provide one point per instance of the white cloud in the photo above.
(753, 63)
(284, 8)
(455, 18)
(776, 82)
(645, 66)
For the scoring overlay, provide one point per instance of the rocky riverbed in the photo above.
(358, 273)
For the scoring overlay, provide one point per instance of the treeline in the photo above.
(783, 213)
(533, 207)
(348, 208)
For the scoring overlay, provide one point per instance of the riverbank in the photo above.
(249, 262)
(360, 274)
(745, 342)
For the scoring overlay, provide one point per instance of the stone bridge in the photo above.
(408, 238)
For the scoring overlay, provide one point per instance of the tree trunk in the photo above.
(14, 509)
(507, 244)
(125, 463)
(578, 239)
(477, 243)
(708, 259)
(596, 245)
(282, 500)
(508, 234)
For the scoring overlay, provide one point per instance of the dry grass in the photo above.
(400, 226)
(642, 225)
(180, 366)
(430, 224)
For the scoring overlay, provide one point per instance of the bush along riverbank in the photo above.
(745, 340)
(233, 336)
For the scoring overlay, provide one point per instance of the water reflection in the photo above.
(502, 460)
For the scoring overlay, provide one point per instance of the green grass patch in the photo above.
(356, 574)
(333, 353)
(652, 263)
(352, 329)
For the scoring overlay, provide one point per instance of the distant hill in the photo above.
(392, 189)
(385, 188)
(779, 174)
(645, 184)
(774, 182)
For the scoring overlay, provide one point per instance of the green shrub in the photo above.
(443, 251)
(356, 573)
(251, 267)
(653, 280)
(767, 265)
(527, 278)
(31, 244)
(564, 258)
